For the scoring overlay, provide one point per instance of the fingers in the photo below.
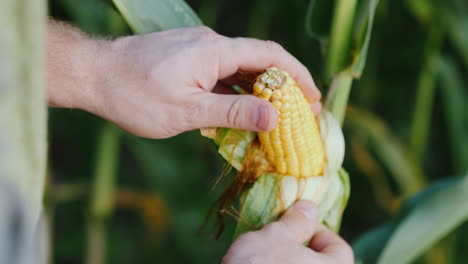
(298, 223)
(245, 112)
(316, 108)
(330, 244)
(254, 55)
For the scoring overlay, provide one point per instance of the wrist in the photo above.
(73, 67)
(98, 68)
(107, 70)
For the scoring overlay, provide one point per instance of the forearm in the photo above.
(73, 67)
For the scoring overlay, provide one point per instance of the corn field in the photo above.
(393, 73)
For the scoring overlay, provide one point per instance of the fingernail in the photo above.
(261, 117)
(307, 208)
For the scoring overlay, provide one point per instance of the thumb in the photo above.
(298, 223)
(245, 112)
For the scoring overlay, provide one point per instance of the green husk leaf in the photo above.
(263, 202)
(233, 144)
(334, 215)
(259, 204)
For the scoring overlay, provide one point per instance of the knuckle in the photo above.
(249, 237)
(275, 228)
(233, 116)
(273, 46)
(207, 33)
(205, 29)
(191, 111)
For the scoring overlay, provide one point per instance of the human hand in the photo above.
(162, 84)
(283, 241)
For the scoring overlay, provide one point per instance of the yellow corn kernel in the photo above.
(294, 147)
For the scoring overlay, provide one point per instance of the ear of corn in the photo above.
(303, 157)
(294, 147)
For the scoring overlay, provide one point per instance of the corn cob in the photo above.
(294, 147)
(298, 160)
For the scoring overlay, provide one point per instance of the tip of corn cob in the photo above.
(294, 147)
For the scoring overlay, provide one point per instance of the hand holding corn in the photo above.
(162, 84)
(297, 237)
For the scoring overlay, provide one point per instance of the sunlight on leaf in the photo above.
(145, 16)
(424, 226)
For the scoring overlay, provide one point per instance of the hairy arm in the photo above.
(72, 67)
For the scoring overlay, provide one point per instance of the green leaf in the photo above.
(259, 204)
(209, 12)
(233, 145)
(369, 246)
(424, 104)
(390, 150)
(422, 9)
(457, 26)
(338, 55)
(333, 216)
(454, 98)
(338, 95)
(344, 178)
(318, 18)
(95, 17)
(145, 16)
(424, 226)
(260, 18)
(102, 196)
(367, 20)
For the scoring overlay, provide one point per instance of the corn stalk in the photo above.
(102, 196)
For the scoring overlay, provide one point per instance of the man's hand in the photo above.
(162, 84)
(284, 241)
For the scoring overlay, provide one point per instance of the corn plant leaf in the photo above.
(145, 16)
(102, 196)
(424, 226)
(457, 26)
(95, 17)
(209, 12)
(318, 18)
(397, 159)
(260, 18)
(454, 98)
(421, 9)
(363, 34)
(369, 246)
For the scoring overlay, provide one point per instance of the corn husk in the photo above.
(272, 193)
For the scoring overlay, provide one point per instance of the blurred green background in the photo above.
(405, 129)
